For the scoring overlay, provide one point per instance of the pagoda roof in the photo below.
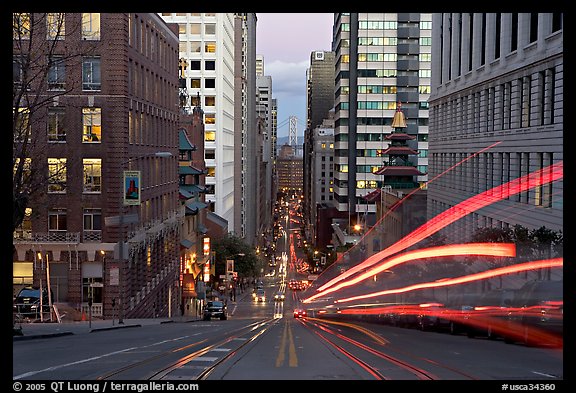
(400, 150)
(399, 136)
(397, 170)
(373, 195)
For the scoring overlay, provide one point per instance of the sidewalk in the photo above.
(54, 329)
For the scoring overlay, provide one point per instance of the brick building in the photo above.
(111, 120)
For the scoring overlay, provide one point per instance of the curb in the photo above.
(47, 335)
(113, 328)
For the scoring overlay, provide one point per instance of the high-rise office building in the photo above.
(320, 100)
(207, 43)
(496, 115)
(382, 59)
(246, 134)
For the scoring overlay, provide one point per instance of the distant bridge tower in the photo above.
(293, 135)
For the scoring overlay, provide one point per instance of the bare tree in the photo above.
(41, 55)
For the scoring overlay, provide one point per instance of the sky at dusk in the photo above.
(286, 41)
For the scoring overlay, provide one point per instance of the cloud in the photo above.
(288, 79)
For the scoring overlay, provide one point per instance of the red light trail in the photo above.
(522, 184)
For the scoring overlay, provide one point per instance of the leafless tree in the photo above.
(41, 55)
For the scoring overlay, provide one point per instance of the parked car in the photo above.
(27, 303)
(215, 309)
(487, 318)
(536, 317)
(432, 317)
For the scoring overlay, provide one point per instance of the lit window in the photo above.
(57, 175)
(21, 25)
(211, 171)
(210, 136)
(91, 26)
(55, 26)
(210, 47)
(92, 124)
(210, 118)
(209, 101)
(92, 170)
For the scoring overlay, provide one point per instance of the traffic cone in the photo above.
(83, 315)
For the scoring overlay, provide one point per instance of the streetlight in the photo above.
(128, 219)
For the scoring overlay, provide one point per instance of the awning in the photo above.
(189, 170)
(185, 194)
(193, 207)
(186, 243)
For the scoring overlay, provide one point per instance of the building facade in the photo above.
(106, 231)
(207, 44)
(496, 115)
(381, 59)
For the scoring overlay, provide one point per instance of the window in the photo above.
(210, 28)
(425, 41)
(209, 154)
(210, 47)
(210, 65)
(425, 56)
(21, 25)
(56, 128)
(90, 26)
(425, 25)
(210, 118)
(209, 101)
(211, 171)
(91, 73)
(17, 70)
(181, 28)
(56, 73)
(22, 127)
(92, 170)
(195, 83)
(92, 219)
(424, 89)
(57, 175)
(195, 65)
(92, 124)
(55, 26)
(210, 83)
(195, 28)
(195, 46)
(425, 73)
(210, 136)
(57, 220)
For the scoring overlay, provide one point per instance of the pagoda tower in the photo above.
(398, 170)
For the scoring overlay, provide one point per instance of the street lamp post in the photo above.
(127, 219)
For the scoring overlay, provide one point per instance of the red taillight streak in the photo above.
(534, 179)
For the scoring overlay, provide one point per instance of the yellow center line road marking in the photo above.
(293, 359)
(281, 354)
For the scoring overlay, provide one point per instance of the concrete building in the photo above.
(322, 172)
(320, 101)
(381, 59)
(289, 169)
(207, 44)
(106, 232)
(497, 98)
(247, 144)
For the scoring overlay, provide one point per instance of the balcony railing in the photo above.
(47, 237)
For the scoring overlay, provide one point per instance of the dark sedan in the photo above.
(215, 309)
